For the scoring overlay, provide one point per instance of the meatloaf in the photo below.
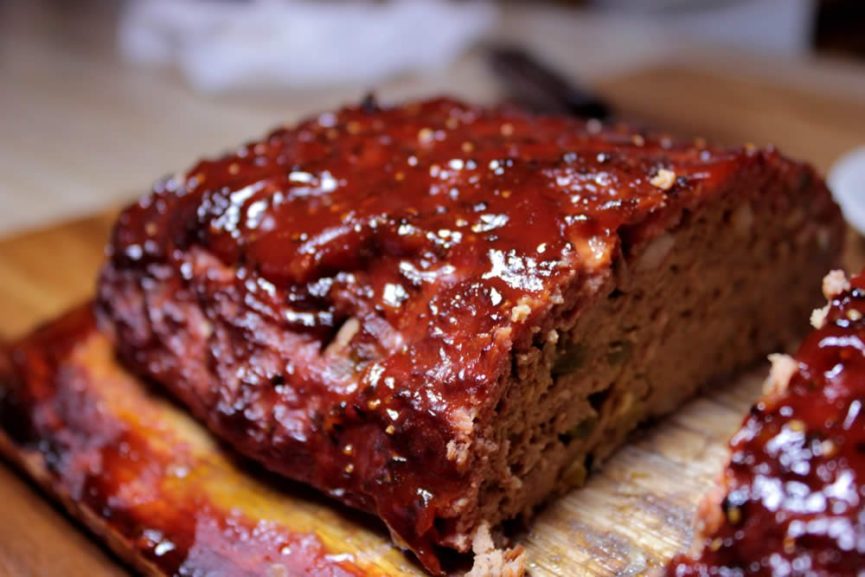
(443, 313)
(792, 497)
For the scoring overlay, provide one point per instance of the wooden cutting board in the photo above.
(634, 513)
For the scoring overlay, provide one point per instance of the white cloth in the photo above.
(221, 45)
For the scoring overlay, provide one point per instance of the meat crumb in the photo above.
(710, 516)
(835, 283)
(458, 452)
(492, 562)
(463, 421)
(520, 312)
(818, 317)
(664, 179)
(343, 337)
(783, 369)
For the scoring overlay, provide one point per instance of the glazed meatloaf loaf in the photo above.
(792, 498)
(443, 314)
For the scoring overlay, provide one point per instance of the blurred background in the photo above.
(98, 98)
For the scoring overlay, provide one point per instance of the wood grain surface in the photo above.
(638, 509)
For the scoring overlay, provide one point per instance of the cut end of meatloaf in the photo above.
(790, 500)
(443, 313)
(659, 327)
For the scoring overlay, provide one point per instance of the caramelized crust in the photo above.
(792, 500)
(355, 301)
(141, 475)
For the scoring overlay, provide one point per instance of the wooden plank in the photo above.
(36, 539)
(630, 516)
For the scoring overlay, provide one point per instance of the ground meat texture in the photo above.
(791, 501)
(443, 314)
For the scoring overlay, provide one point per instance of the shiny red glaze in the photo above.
(127, 472)
(427, 224)
(795, 484)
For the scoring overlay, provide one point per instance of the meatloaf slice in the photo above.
(443, 313)
(792, 497)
